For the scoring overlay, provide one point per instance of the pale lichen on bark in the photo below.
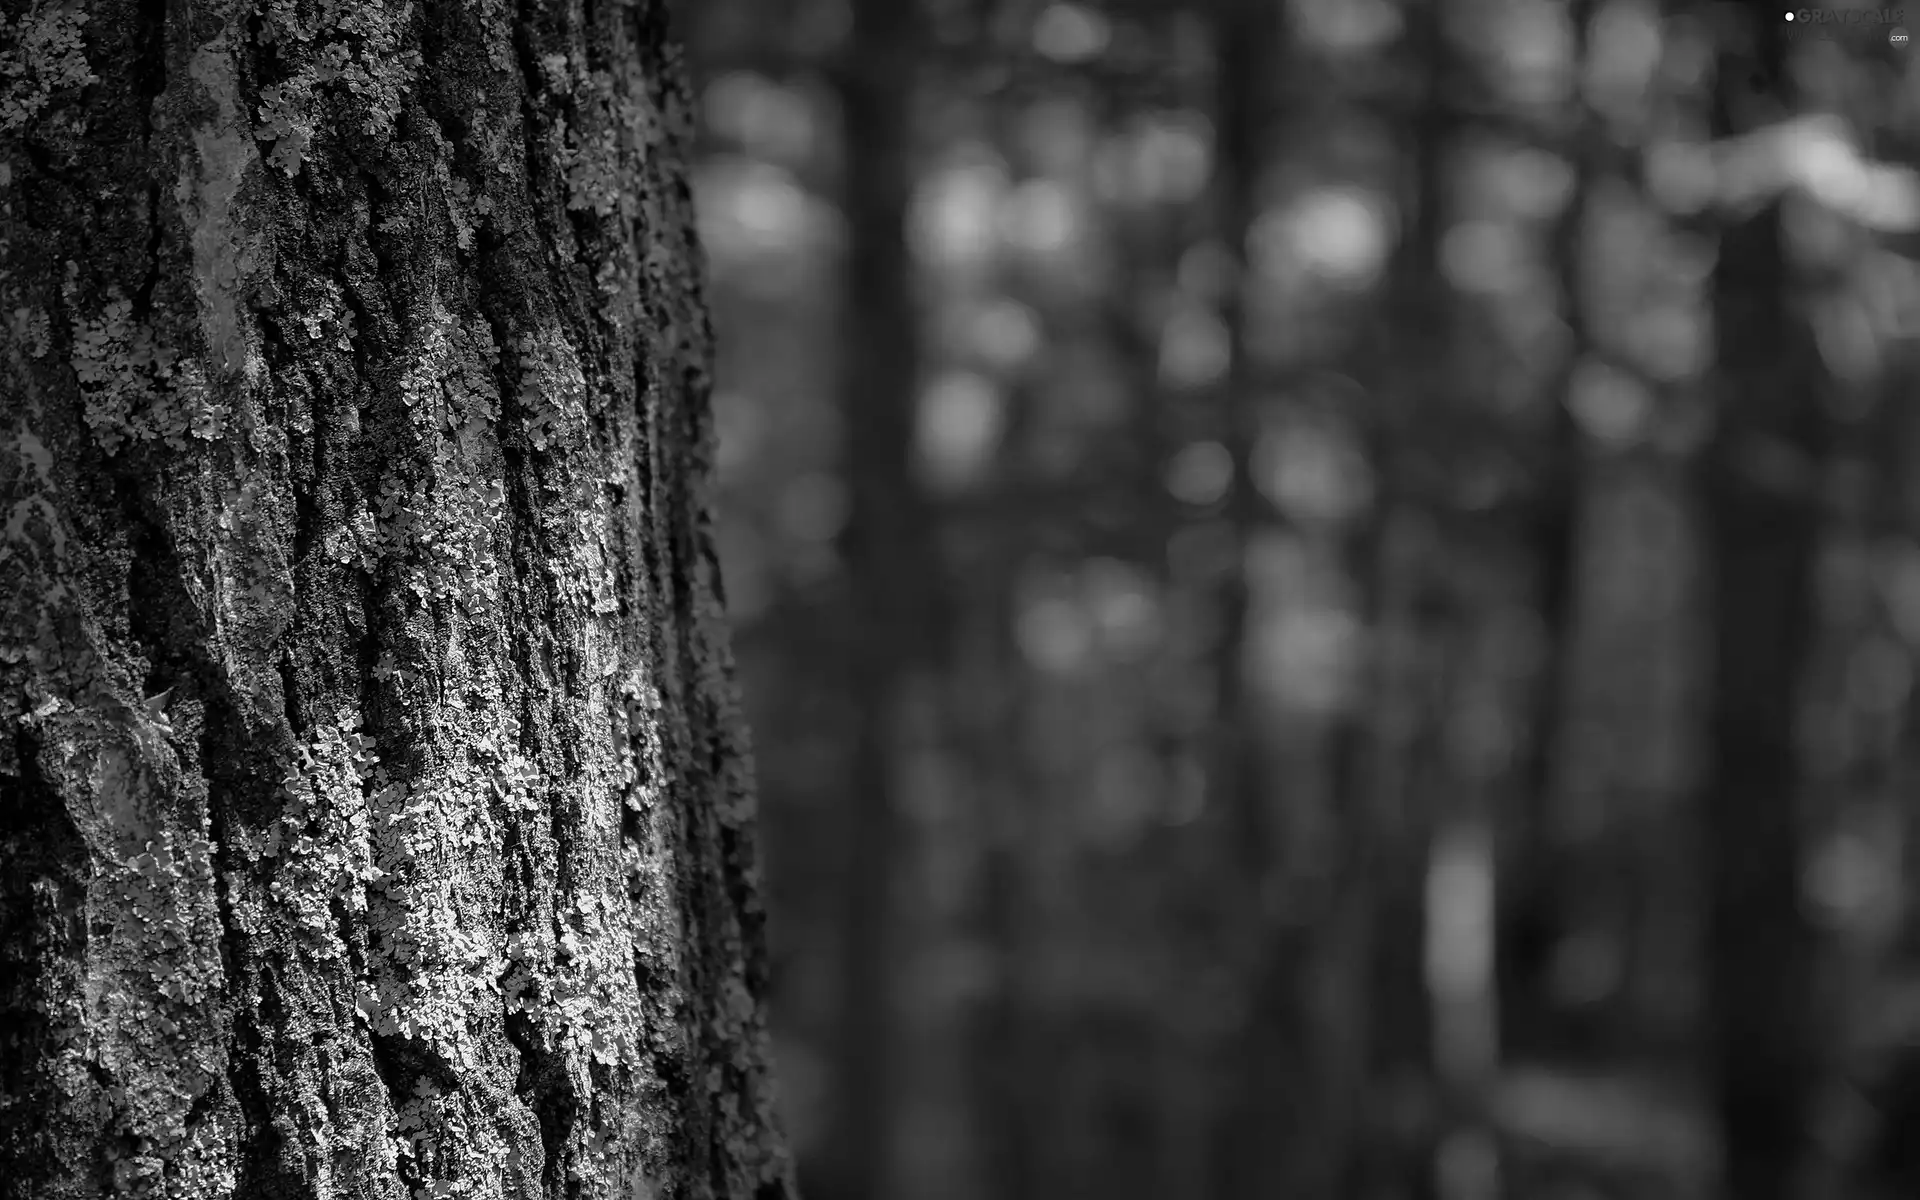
(376, 815)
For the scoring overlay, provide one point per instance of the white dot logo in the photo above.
(1789, 18)
(1897, 37)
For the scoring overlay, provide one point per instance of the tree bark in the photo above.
(377, 820)
(1757, 479)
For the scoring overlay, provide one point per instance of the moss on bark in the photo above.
(377, 820)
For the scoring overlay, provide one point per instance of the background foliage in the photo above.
(1267, 543)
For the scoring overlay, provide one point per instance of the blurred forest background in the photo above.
(1327, 591)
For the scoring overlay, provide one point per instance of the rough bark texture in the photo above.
(376, 818)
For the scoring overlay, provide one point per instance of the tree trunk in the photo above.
(1282, 1124)
(1757, 483)
(377, 820)
(1533, 897)
(1384, 751)
(1888, 1163)
(889, 571)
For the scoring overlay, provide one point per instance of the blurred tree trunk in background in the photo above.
(1887, 1161)
(374, 814)
(1014, 1064)
(1379, 874)
(890, 572)
(1294, 1108)
(1012, 1068)
(1260, 1140)
(1532, 895)
(1148, 242)
(1887, 1044)
(1758, 481)
(1388, 757)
